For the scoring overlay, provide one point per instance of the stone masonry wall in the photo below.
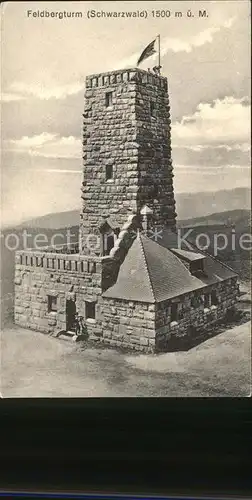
(193, 314)
(148, 327)
(125, 136)
(135, 325)
(38, 275)
(128, 324)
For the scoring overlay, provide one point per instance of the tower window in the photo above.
(152, 108)
(108, 99)
(90, 310)
(109, 172)
(52, 303)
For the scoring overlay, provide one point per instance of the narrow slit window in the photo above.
(109, 172)
(174, 312)
(108, 99)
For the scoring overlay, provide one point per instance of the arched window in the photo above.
(107, 237)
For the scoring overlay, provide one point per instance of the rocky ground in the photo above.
(37, 365)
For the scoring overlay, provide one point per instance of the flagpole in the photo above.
(159, 59)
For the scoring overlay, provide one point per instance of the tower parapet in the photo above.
(124, 76)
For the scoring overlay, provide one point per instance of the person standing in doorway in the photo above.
(76, 324)
(83, 327)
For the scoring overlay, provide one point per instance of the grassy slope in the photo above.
(35, 365)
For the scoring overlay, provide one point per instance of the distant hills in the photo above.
(205, 212)
(197, 205)
(239, 218)
(54, 221)
(188, 206)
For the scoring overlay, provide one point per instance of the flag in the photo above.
(148, 51)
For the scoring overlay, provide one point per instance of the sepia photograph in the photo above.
(125, 199)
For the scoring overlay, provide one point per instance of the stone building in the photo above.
(129, 280)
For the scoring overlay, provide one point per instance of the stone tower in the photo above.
(126, 152)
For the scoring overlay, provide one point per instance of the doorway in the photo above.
(70, 314)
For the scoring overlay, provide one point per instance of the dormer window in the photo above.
(109, 172)
(108, 99)
(197, 267)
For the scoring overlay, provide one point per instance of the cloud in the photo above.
(178, 45)
(21, 90)
(222, 121)
(244, 147)
(61, 171)
(46, 145)
(173, 44)
(9, 97)
(210, 170)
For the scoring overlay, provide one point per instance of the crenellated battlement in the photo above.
(112, 78)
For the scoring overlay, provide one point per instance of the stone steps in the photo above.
(68, 336)
(93, 338)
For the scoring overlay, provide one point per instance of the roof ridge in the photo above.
(146, 265)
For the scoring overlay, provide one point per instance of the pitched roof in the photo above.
(133, 282)
(108, 223)
(151, 273)
(214, 270)
(167, 238)
(146, 210)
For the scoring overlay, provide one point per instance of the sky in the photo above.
(44, 64)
